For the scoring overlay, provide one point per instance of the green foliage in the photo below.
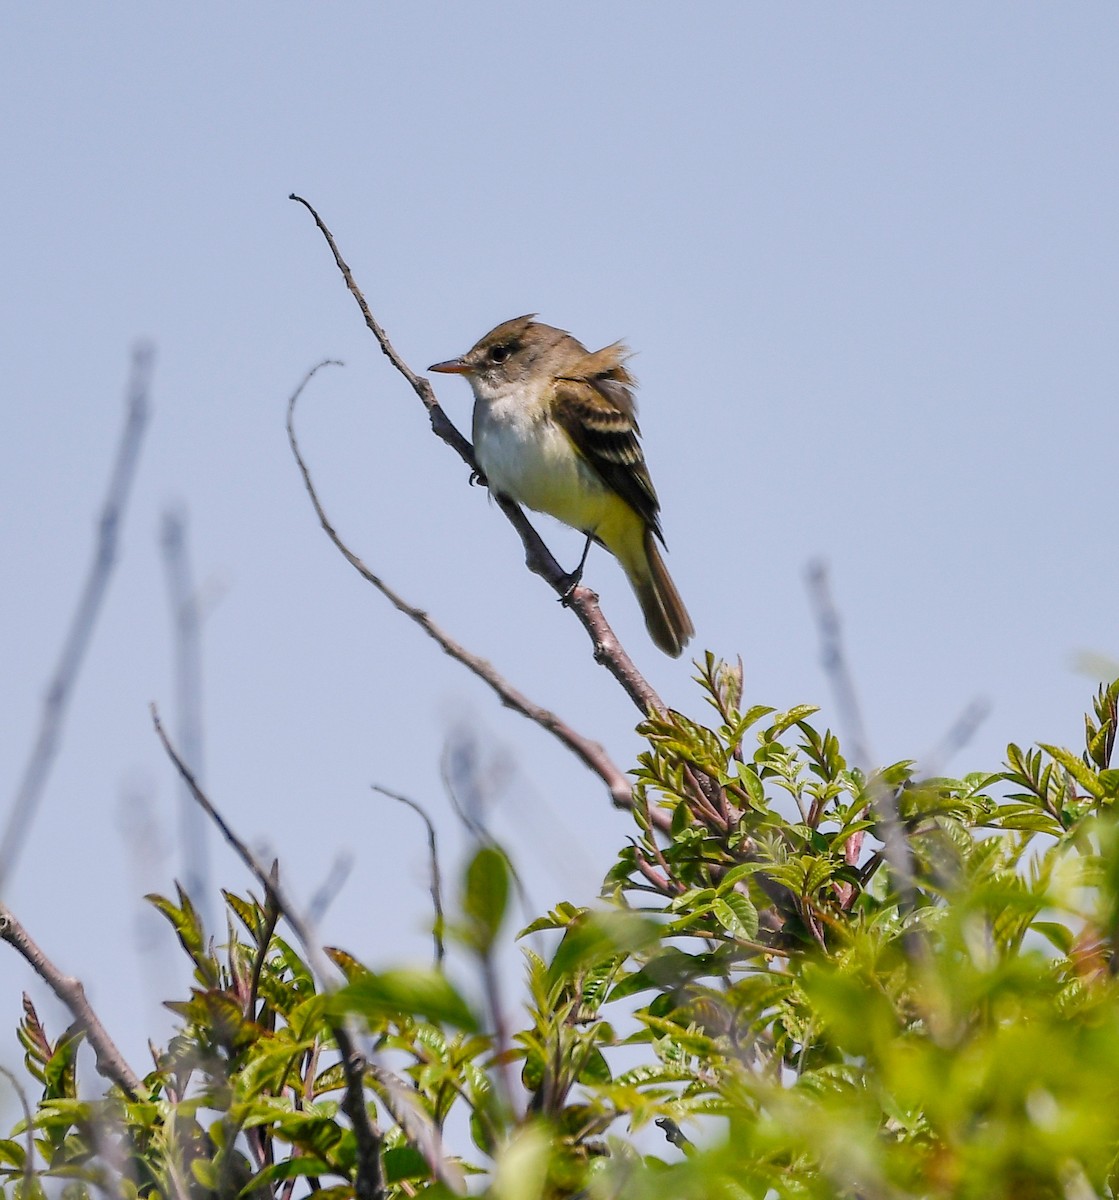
(772, 999)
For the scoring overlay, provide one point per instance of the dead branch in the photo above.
(186, 620)
(835, 663)
(889, 827)
(589, 752)
(607, 649)
(80, 633)
(436, 875)
(110, 1061)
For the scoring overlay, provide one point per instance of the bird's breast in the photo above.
(525, 454)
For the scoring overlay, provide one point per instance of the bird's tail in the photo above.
(666, 618)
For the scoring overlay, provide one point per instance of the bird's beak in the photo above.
(453, 366)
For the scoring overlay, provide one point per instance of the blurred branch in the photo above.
(959, 733)
(78, 637)
(835, 664)
(607, 649)
(110, 1061)
(436, 876)
(590, 753)
(187, 625)
(370, 1182)
(889, 828)
(28, 1132)
(327, 891)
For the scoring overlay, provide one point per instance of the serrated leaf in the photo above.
(1084, 775)
(405, 992)
(790, 717)
(737, 915)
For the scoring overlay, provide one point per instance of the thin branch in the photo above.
(835, 664)
(80, 633)
(589, 752)
(110, 1061)
(607, 649)
(327, 891)
(187, 626)
(842, 683)
(889, 827)
(957, 736)
(370, 1182)
(436, 875)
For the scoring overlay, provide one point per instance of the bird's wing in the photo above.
(593, 403)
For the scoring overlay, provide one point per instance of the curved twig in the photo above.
(589, 752)
(370, 1182)
(583, 602)
(436, 874)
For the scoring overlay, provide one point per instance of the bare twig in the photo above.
(436, 875)
(186, 622)
(370, 1182)
(110, 1061)
(835, 664)
(327, 891)
(842, 683)
(883, 798)
(959, 733)
(538, 559)
(78, 636)
(589, 752)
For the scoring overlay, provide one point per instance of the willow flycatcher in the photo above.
(555, 429)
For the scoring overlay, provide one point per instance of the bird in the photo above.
(555, 429)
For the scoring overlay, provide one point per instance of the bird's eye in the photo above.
(499, 354)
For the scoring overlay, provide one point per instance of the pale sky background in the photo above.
(866, 255)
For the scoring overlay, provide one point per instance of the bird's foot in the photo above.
(572, 581)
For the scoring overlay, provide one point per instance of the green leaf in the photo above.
(290, 1168)
(785, 720)
(1109, 781)
(559, 918)
(404, 1162)
(598, 937)
(1084, 775)
(13, 1152)
(405, 992)
(737, 915)
(1056, 934)
(484, 898)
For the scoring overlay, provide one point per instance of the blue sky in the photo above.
(866, 255)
